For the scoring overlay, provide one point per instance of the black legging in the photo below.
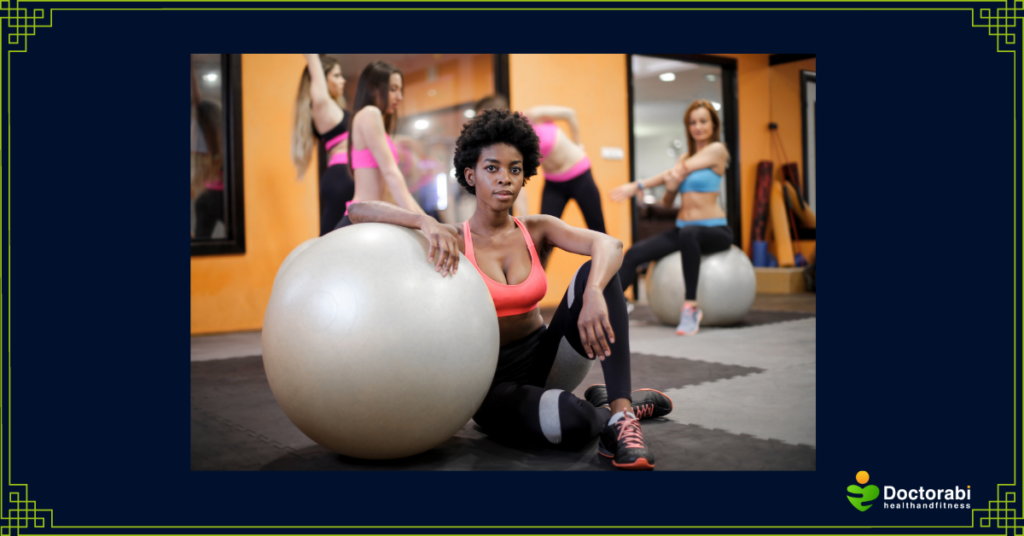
(517, 404)
(336, 189)
(209, 210)
(583, 190)
(692, 241)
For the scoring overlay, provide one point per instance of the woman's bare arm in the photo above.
(621, 193)
(605, 260)
(370, 121)
(445, 242)
(326, 112)
(715, 154)
(540, 114)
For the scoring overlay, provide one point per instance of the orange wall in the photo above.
(596, 87)
(786, 111)
(766, 94)
(456, 81)
(786, 107)
(230, 292)
(752, 75)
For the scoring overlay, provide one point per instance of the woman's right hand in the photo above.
(444, 245)
(673, 179)
(624, 192)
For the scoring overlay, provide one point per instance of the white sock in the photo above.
(618, 416)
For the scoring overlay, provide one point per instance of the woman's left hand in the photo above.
(595, 330)
(624, 192)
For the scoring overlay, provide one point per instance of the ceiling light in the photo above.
(711, 77)
(421, 124)
(469, 114)
(667, 77)
(210, 77)
(717, 105)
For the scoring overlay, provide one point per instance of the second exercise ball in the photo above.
(369, 351)
(726, 288)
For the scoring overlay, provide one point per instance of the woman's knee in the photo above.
(579, 281)
(579, 422)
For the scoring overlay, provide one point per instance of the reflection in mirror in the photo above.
(218, 211)
(207, 149)
(662, 90)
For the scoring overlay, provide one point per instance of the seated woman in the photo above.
(700, 226)
(494, 156)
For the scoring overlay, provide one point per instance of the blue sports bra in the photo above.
(701, 180)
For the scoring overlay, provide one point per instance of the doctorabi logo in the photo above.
(860, 495)
(898, 498)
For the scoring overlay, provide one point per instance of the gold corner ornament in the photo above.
(20, 23)
(1002, 23)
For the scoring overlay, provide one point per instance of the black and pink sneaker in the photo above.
(647, 403)
(623, 442)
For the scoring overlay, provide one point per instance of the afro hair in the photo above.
(496, 126)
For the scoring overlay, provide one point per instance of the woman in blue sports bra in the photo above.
(700, 225)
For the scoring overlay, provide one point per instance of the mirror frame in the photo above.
(234, 185)
(805, 77)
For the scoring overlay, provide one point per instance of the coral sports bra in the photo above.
(513, 299)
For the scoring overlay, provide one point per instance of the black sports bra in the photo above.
(338, 129)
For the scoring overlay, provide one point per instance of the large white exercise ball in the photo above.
(726, 287)
(369, 351)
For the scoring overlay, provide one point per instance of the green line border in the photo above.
(22, 514)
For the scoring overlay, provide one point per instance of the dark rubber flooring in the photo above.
(237, 425)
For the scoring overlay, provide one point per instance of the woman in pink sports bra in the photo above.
(494, 156)
(566, 167)
(372, 156)
(320, 108)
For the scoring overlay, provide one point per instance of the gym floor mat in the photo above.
(237, 425)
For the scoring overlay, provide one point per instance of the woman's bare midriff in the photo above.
(369, 184)
(700, 206)
(513, 328)
(563, 155)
